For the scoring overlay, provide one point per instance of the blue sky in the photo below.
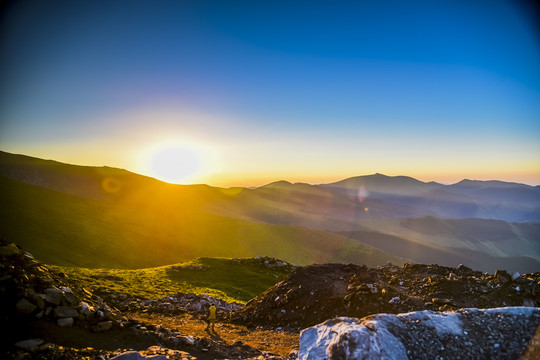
(264, 90)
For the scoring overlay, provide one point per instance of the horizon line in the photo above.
(257, 181)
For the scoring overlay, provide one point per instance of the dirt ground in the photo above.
(227, 341)
(269, 341)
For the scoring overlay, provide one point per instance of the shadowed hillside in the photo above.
(156, 224)
(107, 217)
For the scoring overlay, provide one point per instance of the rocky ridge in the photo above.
(311, 295)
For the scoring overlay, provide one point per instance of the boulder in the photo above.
(65, 312)
(70, 297)
(24, 306)
(102, 326)
(53, 296)
(187, 340)
(499, 333)
(86, 310)
(39, 300)
(65, 322)
(29, 344)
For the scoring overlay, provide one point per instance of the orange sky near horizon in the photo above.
(214, 92)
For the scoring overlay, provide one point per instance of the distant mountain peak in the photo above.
(487, 183)
(279, 183)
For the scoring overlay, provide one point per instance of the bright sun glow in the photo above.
(175, 162)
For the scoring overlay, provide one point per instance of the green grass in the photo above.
(223, 278)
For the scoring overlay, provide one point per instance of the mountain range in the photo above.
(108, 217)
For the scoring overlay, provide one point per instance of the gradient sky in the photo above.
(257, 91)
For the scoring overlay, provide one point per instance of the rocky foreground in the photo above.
(313, 294)
(48, 317)
(500, 333)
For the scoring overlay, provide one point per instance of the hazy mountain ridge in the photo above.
(145, 223)
(299, 222)
(467, 198)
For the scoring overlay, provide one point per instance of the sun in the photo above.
(173, 162)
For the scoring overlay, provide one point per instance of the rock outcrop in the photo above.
(313, 294)
(35, 292)
(491, 334)
(31, 293)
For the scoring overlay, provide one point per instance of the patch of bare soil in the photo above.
(267, 341)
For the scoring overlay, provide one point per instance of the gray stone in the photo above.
(53, 296)
(187, 340)
(28, 344)
(65, 322)
(39, 300)
(86, 310)
(69, 296)
(65, 312)
(102, 326)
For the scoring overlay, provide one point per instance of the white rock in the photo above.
(331, 340)
(443, 323)
(386, 336)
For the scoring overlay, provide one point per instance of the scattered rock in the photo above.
(310, 295)
(175, 304)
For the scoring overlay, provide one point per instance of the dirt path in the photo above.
(270, 341)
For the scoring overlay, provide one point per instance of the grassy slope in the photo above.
(155, 226)
(223, 278)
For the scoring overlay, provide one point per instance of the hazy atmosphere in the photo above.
(270, 179)
(247, 92)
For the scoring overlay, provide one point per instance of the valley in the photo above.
(106, 217)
